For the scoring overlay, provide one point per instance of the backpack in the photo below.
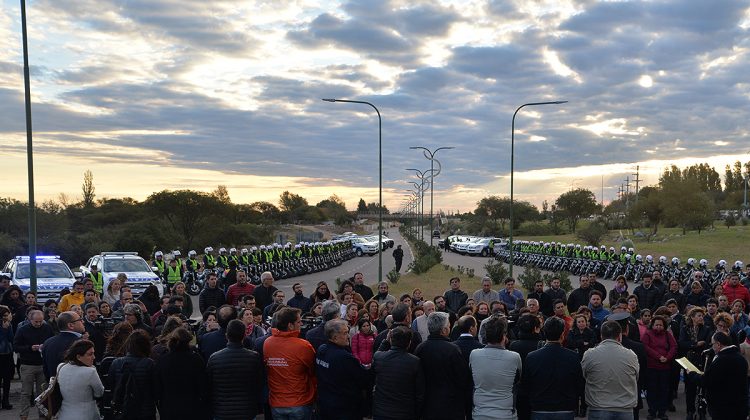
(126, 397)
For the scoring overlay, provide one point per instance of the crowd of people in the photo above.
(353, 352)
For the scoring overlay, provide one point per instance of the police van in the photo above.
(110, 264)
(52, 275)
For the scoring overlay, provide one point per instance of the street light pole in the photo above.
(431, 156)
(29, 152)
(380, 180)
(418, 201)
(512, 161)
(421, 175)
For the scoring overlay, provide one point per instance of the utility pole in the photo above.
(602, 196)
(627, 193)
(637, 181)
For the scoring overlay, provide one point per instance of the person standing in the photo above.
(211, 295)
(54, 348)
(185, 367)
(341, 378)
(299, 300)
(611, 373)
(398, 256)
(27, 343)
(6, 356)
(467, 341)
(725, 380)
(509, 295)
(455, 298)
(399, 379)
(79, 383)
(290, 367)
(486, 294)
(580, 296)
(445, 370)
(496, 372)
(661, 349)
(137, 363)
(553, 376)
(545, 302)
(234, 377)
(360, 287)
(239, 289)
(264, 292)
(217, 340)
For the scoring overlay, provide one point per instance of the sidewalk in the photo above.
(15, 400)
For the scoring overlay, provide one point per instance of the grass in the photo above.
(720, 243)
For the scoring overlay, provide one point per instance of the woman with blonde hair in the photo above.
(112, 292)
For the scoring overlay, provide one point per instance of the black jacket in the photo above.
(648, 297)
(578, 297)
(553, 378)
(455, 299)
(54, 350)
(577, 338)
(234, 382)
(317, 336)
(725, 384)
(690, 348)
(211, 297)
(556, 294)
(341, 380)
(449, 378)
(187, 370)
(399, 385)
(364, 291)
(26, 337)
(466, 344)
(263, 296)
(545, 303)
(678, 297)
(303, 303)
(416, 339)
(143, 370)
(640, 352)
(213, 342)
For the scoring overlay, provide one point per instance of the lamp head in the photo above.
(329, 99)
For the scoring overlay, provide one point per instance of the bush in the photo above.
(496, 271)
(730, 221)
(593, 233)
(535, 229)
(745, 221)
(532, 274)
(564, 277)
(393, 276)
(426, 257)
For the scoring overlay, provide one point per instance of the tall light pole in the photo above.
(418, 195)
(422, 176)
(29, 152)
(431, 156)
(380, 180)
(512, 161)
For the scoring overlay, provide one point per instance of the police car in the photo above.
(52, 275)
(110, 264)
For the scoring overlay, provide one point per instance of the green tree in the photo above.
(333, 208)
(575, 205)
(497, 210)
(187, 212)
(361, 206)
(593, 233)
(292, 206)
(650, 206)
(88, 189)
(684, 203)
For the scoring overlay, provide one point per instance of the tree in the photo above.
(222, 194)
(333, 208)
(684, 203)
(188, 212)
(361, 206)
(497, 209)
(271, 213)
(88, 189)
(292, 205)
(730, 220)
(576, 204)
(593, 233)
(650, 206)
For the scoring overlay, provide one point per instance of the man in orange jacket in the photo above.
(290, 364)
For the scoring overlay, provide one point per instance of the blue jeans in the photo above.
(550, 415)
(303, 412)
(595, 414)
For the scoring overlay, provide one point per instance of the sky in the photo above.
(184, 94)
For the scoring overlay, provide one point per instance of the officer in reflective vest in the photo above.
(173, 274)
(159, 263)
(96, 277)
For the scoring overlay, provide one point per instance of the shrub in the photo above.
(393, 276)
(426, 257)
(496, 271)
(531, 274)
(592, 234)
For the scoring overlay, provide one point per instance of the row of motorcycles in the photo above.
(633, 271)
(194, 281)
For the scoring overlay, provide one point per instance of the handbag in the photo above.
(50, 400)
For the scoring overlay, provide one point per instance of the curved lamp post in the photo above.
(431, 156)
(380, 180)
(512, 149)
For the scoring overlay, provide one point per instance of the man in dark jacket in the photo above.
(545, 302)
(399, 379)
(725, 380)
(27, 341)
(138, 364)
(71, 328)
(555, 292)
(234, 377)
(467, 341)
(649, 296)
(455, 298)
(317, 336)
(211, 295)
(360, 287)
(217, 340)
(341, 378)
(264, 292)
(398, 256)
(527, 329)
(580, 296)
(552, 375)
(299, 300)
(401, 317)
(445, 370)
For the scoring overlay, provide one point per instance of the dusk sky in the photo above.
(183, 94)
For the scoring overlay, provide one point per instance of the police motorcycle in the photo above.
(193, 285)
